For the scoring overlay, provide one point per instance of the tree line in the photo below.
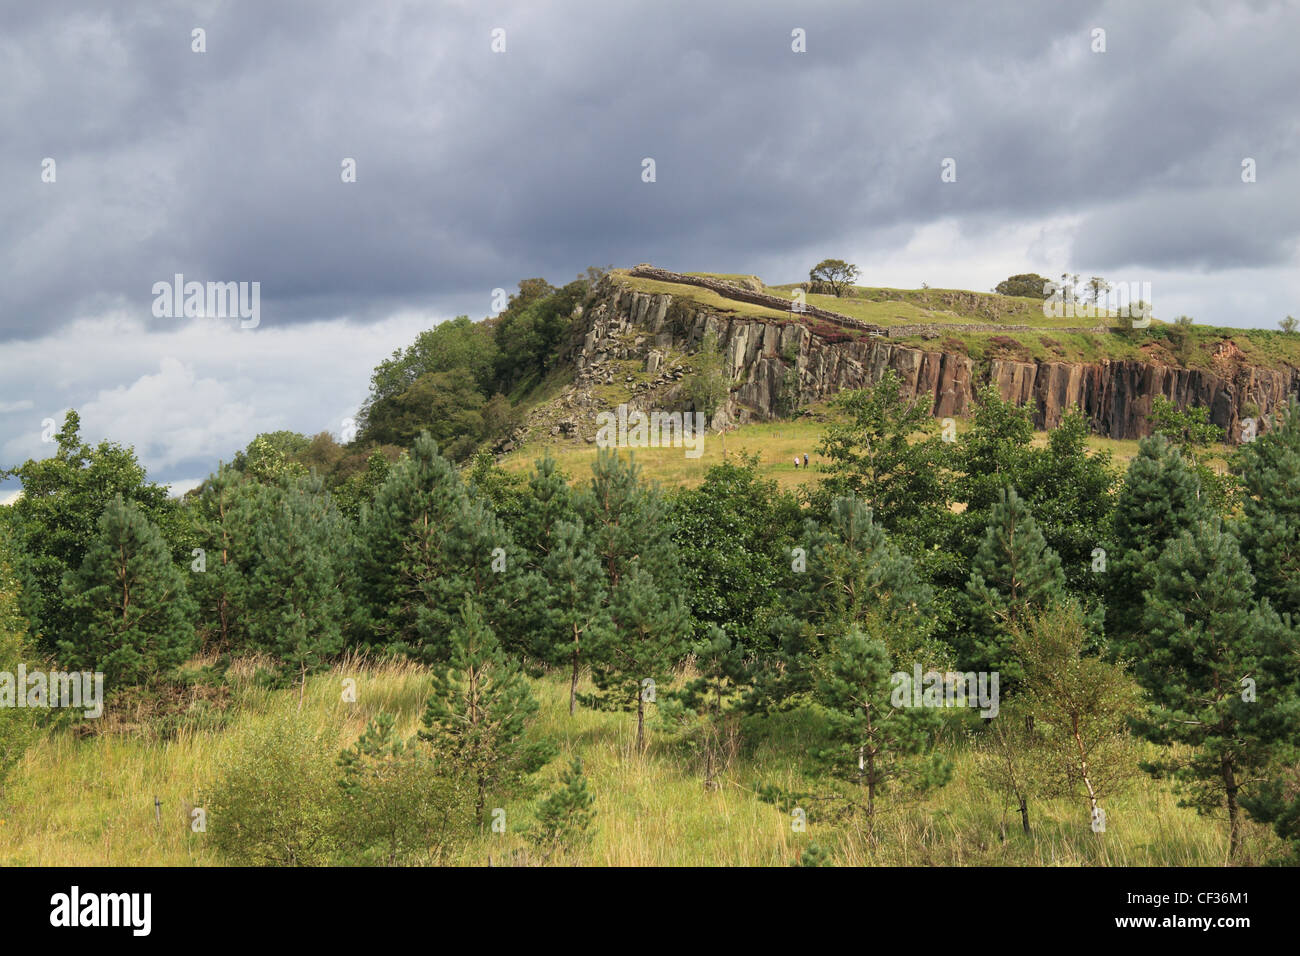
(1159, 603)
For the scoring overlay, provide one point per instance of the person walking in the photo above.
(796, 461)
(805, 460)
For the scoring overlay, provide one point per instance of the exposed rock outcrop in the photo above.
(769, 361)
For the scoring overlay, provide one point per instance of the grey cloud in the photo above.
(477, 169)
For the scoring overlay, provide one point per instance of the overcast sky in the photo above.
(477, 168)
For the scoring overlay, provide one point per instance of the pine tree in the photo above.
(397, 806)
(548, 501)
(1270, 532)
(546, 505)
(1070, 488)
(425, 543)
(576, 613)
(131, 616)
(218, 589)
(297, 572)
(854, 570)
(631, 539)
(1204, 639)
(876, 745)
(1013, 571)
(814, 854)
(1160, 499)
(854, 573)
(477, 714)
(564, 818)
(630, 659)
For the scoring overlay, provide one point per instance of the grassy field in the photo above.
(90, 801)
(776, 444)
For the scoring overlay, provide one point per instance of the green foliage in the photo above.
(19, 727)
(1028, 284)
(1180, 337)
(851, 573)
(448, 405)
(1161, 497)
(1276, 801)
(1204, 638)
(275, 801)
(1193, 433)
(734, 534)
(876, 457)
(835, 272)
(993, 455)
(352, 492)
(130, 614)
(875, 744)
(1071, 493)
(631, 537)
(814, 854)
(1011, 758)
(854, 572)
(708, 385)
(478, 711)
(296, 565)
(453, 381)
(564, 818)
(397, 808)
(574, 594)
(1079, 704)
(1270, 530)
(458, 344)
(530, 331)
(1013, 571)
(501, 489)
(703, 710)
(425, 544)
(58, 514)
(219, 590)
(269, 457)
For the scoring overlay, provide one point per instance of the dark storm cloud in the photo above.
(477, 169)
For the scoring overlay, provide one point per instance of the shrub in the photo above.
(398, 808)
(276, 801)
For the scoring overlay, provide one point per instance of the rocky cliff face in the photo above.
(642, 342)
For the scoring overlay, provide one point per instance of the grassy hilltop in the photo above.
(1063, 339)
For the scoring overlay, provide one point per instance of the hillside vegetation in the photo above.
(90, 802)
(949, 642)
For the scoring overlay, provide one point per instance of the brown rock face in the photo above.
(1115, 396)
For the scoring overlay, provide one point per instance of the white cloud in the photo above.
(196, 393)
